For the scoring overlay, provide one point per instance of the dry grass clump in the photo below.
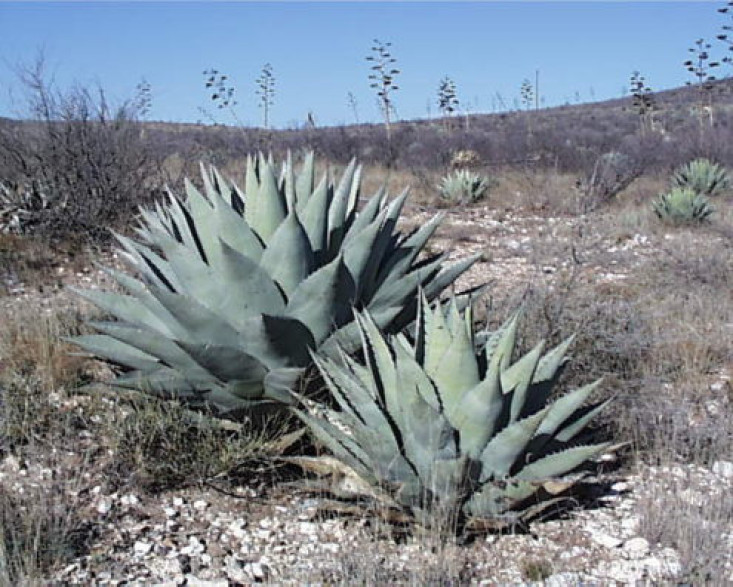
(40, 529)
(693, 514)
(160, 445)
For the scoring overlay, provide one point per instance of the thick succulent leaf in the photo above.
(401, 260)
(496, 499)
(227, 364)
(253, 286)
(288, 258)
(518, 378)
(347, 337)
(184, 227)
(132, 309)
(366, 216)
(152, 343)
(199, 324)
(323, 301)
(314, 216)
(116, 351)
(203, 218)
(476, 417)
(552, 360)
(411, 374)
(281, 383)
(448, 275)
(266, 208)
(339, 213)
(153, 267)
(306, 179)
(560, 463)
(167, 383)
(396, 290)
(577, 426)
(564, 407)
(358, 255)
(502, 451)
(499, 349)
(340, 444)
(456, 372)
(233, 230)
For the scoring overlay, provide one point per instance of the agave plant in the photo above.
(237, 287)
(703, 177)
(464, 186)
(682, 206)
(445, 424)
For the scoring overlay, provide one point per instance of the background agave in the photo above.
(703, 177)
(464, 187)
(236, 288)
(439, 425)
(682, 205)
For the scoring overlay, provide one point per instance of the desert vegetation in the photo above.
(229, 355)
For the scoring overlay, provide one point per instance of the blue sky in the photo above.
(582, 49)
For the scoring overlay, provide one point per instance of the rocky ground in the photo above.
(234, 533)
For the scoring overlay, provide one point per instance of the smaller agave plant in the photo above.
(464, 187)
(703, 177)
(447, 423)
(682, 206)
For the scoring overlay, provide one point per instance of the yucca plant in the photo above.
(447, 423)
(682, 206)
(464, 186)
(236, 288)
(703, 177)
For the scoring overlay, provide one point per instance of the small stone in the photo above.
(723, 469)
(170, 512)
(200, 504)
(637, 547)
(104, 506)
(142, 548)
(606, 540)
(129, 500)
(178, 501)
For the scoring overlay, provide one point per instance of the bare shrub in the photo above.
(87, 160)
(612, 173)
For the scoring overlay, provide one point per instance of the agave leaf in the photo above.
(289, 258)
(306, 179)
(314, 217)
(518, 378)
(339, 213)
(503, 449)
(477, 415)
(117, 351)
(152, 343)
(367, 215)
(448, 275)
(564, 407)
(560, 463)
(456, 372)
(269, 208)
(575, 427)
(227, 364)
(255, 289)
(202, 216)
(280, 383)
(129, 309)
(323, 301)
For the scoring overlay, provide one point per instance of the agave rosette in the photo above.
(236, 288)
(443, 424)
